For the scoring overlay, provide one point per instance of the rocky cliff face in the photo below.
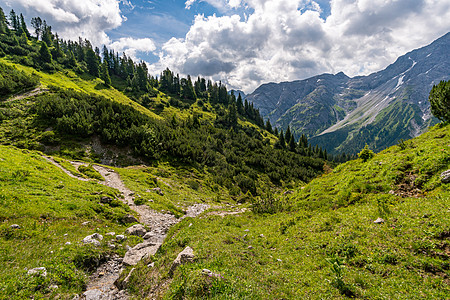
(341, 113)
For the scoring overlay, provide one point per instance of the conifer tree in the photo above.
(240, 105)
(92, 62)
(37, 25)
(268, 125)
(288, 135)
(4, 29)
(104, 73)
(23, 26)
(44, 54)
(14, 20)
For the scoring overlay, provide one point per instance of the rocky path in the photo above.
(101, 284)
(36, 91)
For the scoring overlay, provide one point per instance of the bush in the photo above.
(366, 153)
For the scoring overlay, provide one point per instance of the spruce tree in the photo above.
(104, 74)
(268, 125)
(36, 23)
(23, 26)
(4, 29)
(14, 20)
(44, 54)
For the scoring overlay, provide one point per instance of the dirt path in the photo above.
(101, 283)
(34, 92)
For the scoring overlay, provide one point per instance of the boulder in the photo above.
(93, 294)
(135, 254)
(120, 237)
(137, 229)
(445, 176)
(184, 257)
(41, 271)
(93, 239)
(127, 219)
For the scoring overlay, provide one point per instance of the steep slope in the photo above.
(334, 113)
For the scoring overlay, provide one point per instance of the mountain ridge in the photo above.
(328, 106)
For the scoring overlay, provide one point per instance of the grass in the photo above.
(50, 208)
(325, 245)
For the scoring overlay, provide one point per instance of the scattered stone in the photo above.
(288, 192)
(445, 176)
(85, 223)
(379, 221)
(120, 237)
(53, 287)
(245, 235)
(250, 247)
(151, 265)
(106, 200)
(68, 243)
(392, 192)
(41, 271)
(127, 219)
(94, 294)
(158, 191)
(66, 234)
(279, 260)
(15, 226)
(93, 239)
(246, 230)
(261, 235)
(190, 224)
(210, 273)
(137, 229)
(111, 246)
(112, 233)
(184, 257)
(135, 254)
(425, 216)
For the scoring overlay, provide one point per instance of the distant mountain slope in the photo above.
(341, 113)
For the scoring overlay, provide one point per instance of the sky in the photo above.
(245, 43)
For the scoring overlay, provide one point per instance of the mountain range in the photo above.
(342, 114)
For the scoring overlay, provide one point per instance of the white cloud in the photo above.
(71, 19)
(287, 39)
(221, 5)
(131, 46)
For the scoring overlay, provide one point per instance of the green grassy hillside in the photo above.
(322, 242)
(50, 208)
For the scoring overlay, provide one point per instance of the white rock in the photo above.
(111, 233)
(15, 226)
(379, 221)
(41, 271)
(137, 229)
(120, 237)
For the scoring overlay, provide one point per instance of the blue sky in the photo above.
(245, 43)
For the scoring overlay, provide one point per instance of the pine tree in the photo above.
(44, 54)
(14, 20)
(268, 125)
(23, 26)
(4, 29)
(47, 36)
(92, 62)
(36, 23)
(288, 135)
(240, 105)
(292, 144)
(104, 73)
